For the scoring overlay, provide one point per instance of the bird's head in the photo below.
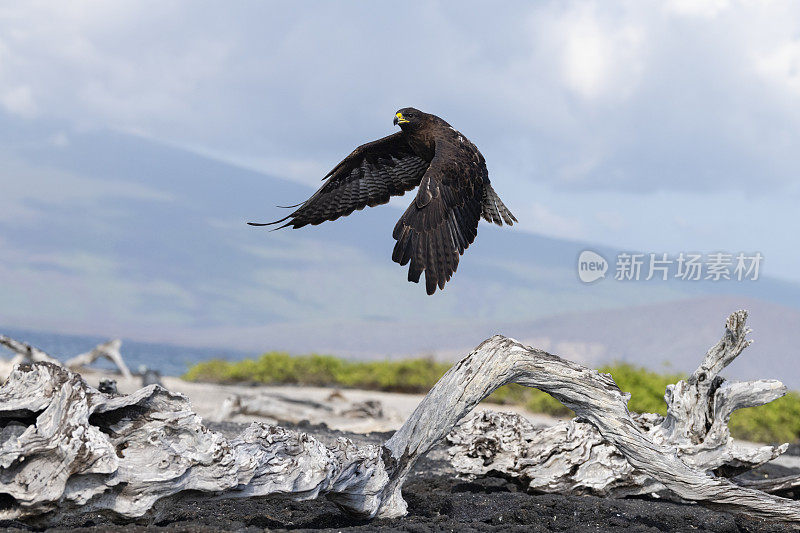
(410, 119)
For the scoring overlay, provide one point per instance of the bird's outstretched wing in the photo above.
(369, 176)
(442, 221)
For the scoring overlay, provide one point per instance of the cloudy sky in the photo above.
(659, 126)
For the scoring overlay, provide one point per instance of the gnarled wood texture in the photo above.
(573, 457)
(66, 447)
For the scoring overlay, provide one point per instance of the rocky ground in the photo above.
(438, 501)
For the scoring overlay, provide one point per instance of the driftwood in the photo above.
(26, 353)
(282, 408)
(72, 448)
(108, 350)
(775, 485)
(573, 456)
(66, 447)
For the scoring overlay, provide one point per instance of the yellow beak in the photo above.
(398, 119)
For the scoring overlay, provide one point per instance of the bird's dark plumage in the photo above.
(442, 221)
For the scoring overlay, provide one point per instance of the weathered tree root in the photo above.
(66, 447)
(573, 457)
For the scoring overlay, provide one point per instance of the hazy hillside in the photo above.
(673, 335)
(667, 336)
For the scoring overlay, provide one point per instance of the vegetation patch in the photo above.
(778, 421)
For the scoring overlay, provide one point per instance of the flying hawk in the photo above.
(442, 221)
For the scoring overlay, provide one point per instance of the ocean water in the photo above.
(168, 359)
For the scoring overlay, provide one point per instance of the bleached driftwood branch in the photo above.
(774, 485)
(108, 350)
(66, 447)
(358, 416)
(70, 447)
(26, 353)
(573, 456)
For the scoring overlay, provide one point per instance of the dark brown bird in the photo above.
(442, 221)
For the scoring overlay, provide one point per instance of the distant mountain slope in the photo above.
(666, 337)
(674, 336)
(669, 336)
(111, 234)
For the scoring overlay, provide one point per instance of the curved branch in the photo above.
(26, 353)
(593, 397)
(108, 350)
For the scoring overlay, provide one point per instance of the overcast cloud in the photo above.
(641, 124)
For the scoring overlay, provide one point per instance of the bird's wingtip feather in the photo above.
(272, 223)
(281, 227)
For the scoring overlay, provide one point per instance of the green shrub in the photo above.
(778, 421)
(775, 422)
(541, 402)
(215, 370)
(646, 387)
(408, 375)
